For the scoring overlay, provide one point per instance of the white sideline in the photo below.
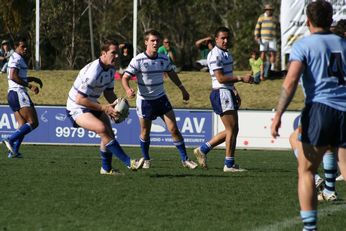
(289, 223)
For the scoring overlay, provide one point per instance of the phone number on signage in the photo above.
(76, 132)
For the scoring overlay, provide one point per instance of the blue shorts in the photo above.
(322, 125)
(19, 99)
(72, 115)
(223, 100)
(151, 109)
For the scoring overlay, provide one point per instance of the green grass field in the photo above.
(59, 188)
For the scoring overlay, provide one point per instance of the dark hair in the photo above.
(107, 43)
(255, 52)
(18, 40)
(221, 29)
(151, 32)
(340, 28)
(320, 13)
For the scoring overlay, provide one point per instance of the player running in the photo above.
(152, 101)
(84, 110)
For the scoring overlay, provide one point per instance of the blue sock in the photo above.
(116, 150)
(309, 219)
(205, 148)
(182, 150)
(145, 148)
(17, 143)
(20, 133)
(330, 172)
(106, 160)
(229, 161)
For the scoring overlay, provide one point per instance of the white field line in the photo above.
(289, 223)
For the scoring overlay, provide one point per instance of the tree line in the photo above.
(64, 26)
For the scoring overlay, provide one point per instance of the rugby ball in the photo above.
(123, 107)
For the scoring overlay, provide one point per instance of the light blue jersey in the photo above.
(323, 79)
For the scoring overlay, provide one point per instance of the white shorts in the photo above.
(268, 45)
(18, 99)
(223, 100)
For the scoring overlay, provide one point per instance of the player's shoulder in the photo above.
(162, 56)
(92, 68)
(15, 59)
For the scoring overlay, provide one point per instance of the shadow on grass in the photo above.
(196, 175)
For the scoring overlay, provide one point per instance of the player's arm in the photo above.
(109, 95)
(36, 80)
(125, 82)
(175, 79)
(200, 41)
(234, 79)
(288, 89)
(14, 76)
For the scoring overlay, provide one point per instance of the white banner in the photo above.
(254, 129)
(293, 22)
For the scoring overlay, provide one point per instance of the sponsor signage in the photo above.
(56, 128)
(254, 129)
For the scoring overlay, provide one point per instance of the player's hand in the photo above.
(237, 97)
(130, 93)
(109, 110)
(248, 78)
(276, 123)
(34, 89)
(186, 95)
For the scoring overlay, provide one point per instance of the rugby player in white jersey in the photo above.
(224, 99)
(152, 102)
(18, 98)
(84, 110)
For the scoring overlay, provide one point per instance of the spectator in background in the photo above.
(257, 67)
(203, 45)
(265, 35)
(169, 51)
(126, 54)
(5, 54)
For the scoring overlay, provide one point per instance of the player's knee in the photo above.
(101, 129)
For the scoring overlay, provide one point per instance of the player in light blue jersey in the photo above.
(224, 99)
(84, 110)
(152, 102)
(320, 60)
(19, 99)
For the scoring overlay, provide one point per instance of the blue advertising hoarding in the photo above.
(55, 128)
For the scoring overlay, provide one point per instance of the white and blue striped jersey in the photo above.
(16, 61)
(149, 73)
(323, 79)
(219, 59)
(91, 81)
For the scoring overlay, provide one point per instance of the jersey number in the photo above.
(335, 68)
